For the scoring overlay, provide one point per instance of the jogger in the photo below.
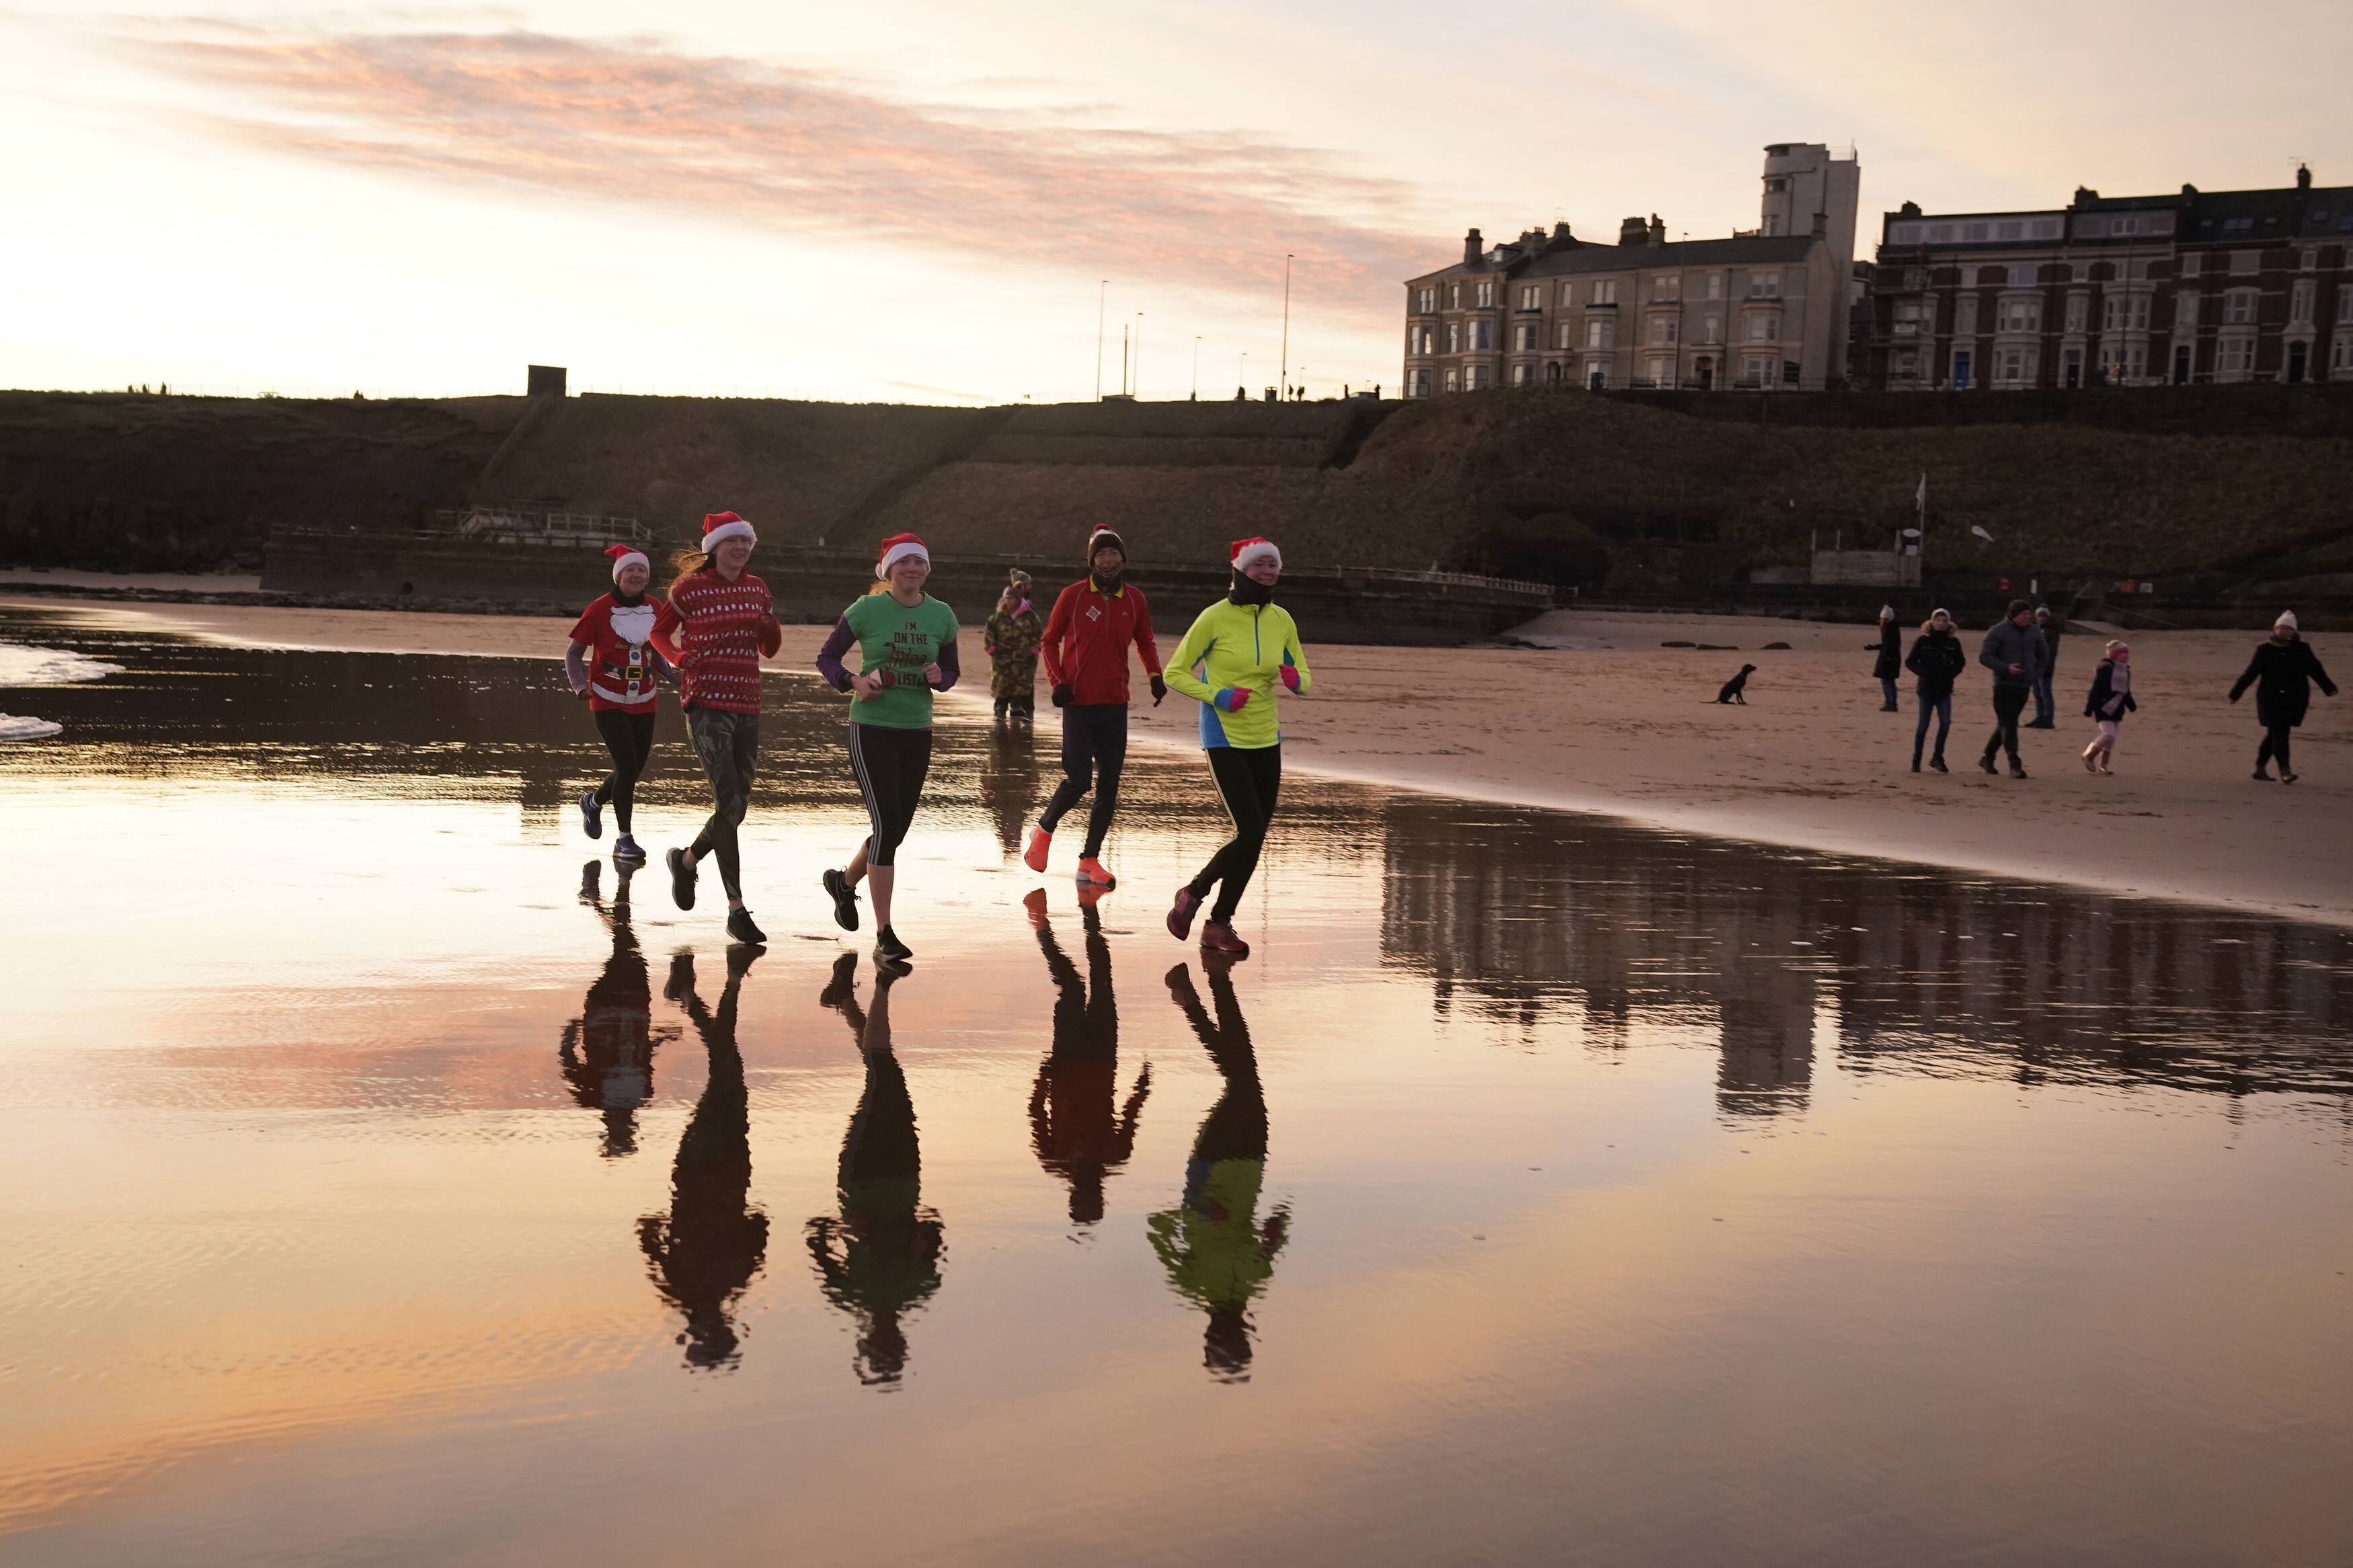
(613, 665)
(1241, 652)
(718, 623)
(906, 645)
(1085, 650)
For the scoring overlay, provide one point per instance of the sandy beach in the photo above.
(1601, 718)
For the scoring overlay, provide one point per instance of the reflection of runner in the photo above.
(1216, 1254)
(609, 1051)
(880, 1260)
(612, 663)
(1008, 783)
(1078, 1131)
(708, 1248)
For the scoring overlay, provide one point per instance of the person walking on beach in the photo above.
(2046, 705)
(1011, 637)
(612, 664)
(1085, 650)
(905, 642)
(1938, 660)
(1890, 662)
(2111, 699)
(1240, 654)
(2014, 651)
(718, 623)
(2282, 672)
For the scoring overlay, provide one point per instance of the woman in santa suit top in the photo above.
(612, 664)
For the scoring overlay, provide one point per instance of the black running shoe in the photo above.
(740, 927)
(844, 984)
(2016, 772)
(1987, 763)
(845, 899)
(1938, 764)
(886, 945)
(886, 970)
(681, 879)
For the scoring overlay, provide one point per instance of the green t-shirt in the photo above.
(899, 642)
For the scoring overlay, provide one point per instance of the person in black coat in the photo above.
(2282, 672)
(2111, 699)
(1937, 659)
(1890, 662)
(2046, 703)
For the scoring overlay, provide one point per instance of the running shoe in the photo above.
(1987, 763)
(626, 849)
(1035, 902)
(1217, 936)
(844, 897)
(2262, 776)
(2286, 777)
(886, 970)
(888, 948)
(1035, 856)
(844, 984)
(590, 891)
(1090, 870)
(1938, 764)
(681, 879)
(2016, 772)
(592, 814)
(740, 927)
(1180, 913)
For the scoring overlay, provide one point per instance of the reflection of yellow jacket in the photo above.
(1234, 662)
(1213, 1247)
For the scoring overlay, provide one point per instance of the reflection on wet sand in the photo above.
(880, 1260)
(1219, 1256)
(708, 1248)
(1008, 784)
(1080, 1130)
(608, 1052)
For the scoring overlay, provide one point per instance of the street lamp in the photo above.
(1197, 367)
(1100, 295)
(1285, 390)
(1241, 374)
(1137, 390)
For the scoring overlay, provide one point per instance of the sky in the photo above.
(948, 203)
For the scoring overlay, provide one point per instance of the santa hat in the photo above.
(1100, 537)
(1246, 552)
(719, 527)
(626, 555)
(897, 547)
(2287, 619)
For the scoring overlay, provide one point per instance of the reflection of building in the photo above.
(1765, 308)
(2189, 286)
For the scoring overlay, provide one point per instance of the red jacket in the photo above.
(1087, 638)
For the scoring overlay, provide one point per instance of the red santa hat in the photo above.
(626, 555)
(719, 527)
(897, 547)
(1246, 552)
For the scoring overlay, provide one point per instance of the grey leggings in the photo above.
(729, 745)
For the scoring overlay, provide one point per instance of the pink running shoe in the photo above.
(1180, 913)
(1218, 937)
(1035, 856)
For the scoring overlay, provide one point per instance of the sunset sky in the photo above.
(918, 202)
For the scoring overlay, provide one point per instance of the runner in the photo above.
(612, 664)
(906, 642)
(1085, 651)
(1241, 652)
(719, 620)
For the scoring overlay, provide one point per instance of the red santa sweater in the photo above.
(715, 631)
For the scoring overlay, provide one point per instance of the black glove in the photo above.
(1159, 690)
(1062, 694)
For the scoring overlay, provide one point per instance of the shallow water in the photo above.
(387, 1180)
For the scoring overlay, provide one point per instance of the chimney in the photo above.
(1633, 231)
(1909, 209)
(1821, 225)
(2304, 176)
(1560, 232)
(2084, 197)
(1658, 230)
(2187, 189)
(1470, 248)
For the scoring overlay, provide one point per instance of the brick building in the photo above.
(2197, 287)
(1768, 308)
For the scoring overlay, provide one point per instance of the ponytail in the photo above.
(688, 563)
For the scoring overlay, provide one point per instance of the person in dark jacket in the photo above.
(1890, 662)
(2283, 673)
(1937, 659)
(2046, 704)
(2112, 698)
(2014, 651)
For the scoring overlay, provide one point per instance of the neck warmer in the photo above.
(628, 601)
(1246, 592)
(1107, 584)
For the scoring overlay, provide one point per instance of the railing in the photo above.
(518, 524)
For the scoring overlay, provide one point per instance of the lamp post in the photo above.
(1137, 390)
(1284, 391)
(1241, 374)
(1197, 367)
(1102, 293)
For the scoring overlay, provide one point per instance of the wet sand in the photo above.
(1605, 720)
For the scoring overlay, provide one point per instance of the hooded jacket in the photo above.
(2009, 643)
(1938, 660)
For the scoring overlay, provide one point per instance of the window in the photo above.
(1965, 315)
(1417, 383)
(2079, 272)
(1562, 335)
(2046, 228)
(1567, 294)
(1914, 278)
(1605, 291)
(2244, 262)
(2340, 356)
(2184, 312)
(1596, 374)
(1523, 374)
(1776, 183)
(1422, 340)
(1764, 285)
(1757, 369)
(2022, 277)
(1992, 277)
(2236, 357)
(1486, 294)
(1483, 336)
(2009, 230)
(1601, 333)
(1663, 330)
(1532, 297)
(1428, 300)
(2345, 301)
(2021, 316)
(1524, 337)
(1454, 337)
(1975, 234)
(2015, 367)
(1715, 285)
(1453, 381)
(2299, 304)
(2239, 307)
(1453, 297)
(1940, 234)
(2124, 312)
(2311, 258)
(1662, 372)
(2079, 310)
(2190, 261)
(1711, 331)
(1664, 288)
(1474, 377)
(1903, 234)
(1764, 326)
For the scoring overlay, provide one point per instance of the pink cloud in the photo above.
(807, 152)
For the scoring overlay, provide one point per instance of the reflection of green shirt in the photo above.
(1211, 1246)
(898, 642)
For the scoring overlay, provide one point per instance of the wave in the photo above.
(15, 729)
(22, 664)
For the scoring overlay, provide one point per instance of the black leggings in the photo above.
(1094, 750)
(2275, 740)
(1247, 781)
(630, 738)
(891, 765)
(729, 745)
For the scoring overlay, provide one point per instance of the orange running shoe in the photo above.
(1036, 904)
(1218, 937)
(1035, 856)
(1090, 870)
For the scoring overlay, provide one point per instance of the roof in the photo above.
(1581, 255)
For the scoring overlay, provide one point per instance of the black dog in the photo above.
(1733, 688)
